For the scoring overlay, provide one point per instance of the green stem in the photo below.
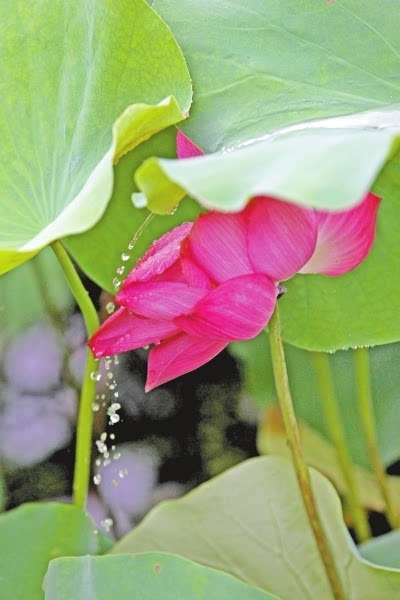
(85, 415)
(300, 466)
(368, 422)
(43, 285)
(332, 416)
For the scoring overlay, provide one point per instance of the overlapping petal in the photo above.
(219, 245)
(159, 299)
(238, 309)
(344, 238)
(281, 237)
(161, 255)
(179, 355)
(185, 148)
(125, 331)
(193, 274)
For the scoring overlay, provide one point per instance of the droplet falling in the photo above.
(120, 270)
(97, 479)
(116, 283)
(95, 376)
(125, 256)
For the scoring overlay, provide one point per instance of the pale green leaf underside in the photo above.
(79, 89)
(258, 378)
(250, 522)
(327, 164)
(142, 577)
(32, 535)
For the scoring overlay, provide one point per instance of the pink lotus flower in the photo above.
(208, 283)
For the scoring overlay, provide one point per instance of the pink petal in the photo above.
(344, 238)
(179, 355)
(238, 309)
(194, 275)
(124, 331)
(185, 148)
(160, 256)
(219, 245)
(281, 237)
(159, 299)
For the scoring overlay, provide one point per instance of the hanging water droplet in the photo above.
(146, 347)
(97, 479)
(125, 256)
(116, 360)
(120, 270)
(112, 436)
(95, 376)
(110, 307)
(114, 419)
(103, 436)
(116, 283)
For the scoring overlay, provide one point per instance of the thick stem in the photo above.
(332, 417)
(85, 415)
(293, 438)
(366, 407)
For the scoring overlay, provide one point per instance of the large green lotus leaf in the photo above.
(98, 251)
(42, 279)
(272, 66)
(383, 550)
(385, 376)
(34, 534)
(250, 522)
(142, 577)
(79, 89)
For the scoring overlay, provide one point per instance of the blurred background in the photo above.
(152, 447)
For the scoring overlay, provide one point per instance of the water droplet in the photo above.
(116, 360)
(110, 307)
(97, 479)
(107, 524)
(122, 473)
(98, 462)
(114, 482)
(101, 446)
(116, 394)
(95, 406)
(116, 283)
(112, 436)
(112, 386)
(125, 256)
(110, 375)
(95, 376)
(146, 347)
(114, 419)
(103, 436)
(117, 455)
(120, 270)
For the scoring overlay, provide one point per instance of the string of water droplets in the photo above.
(106, 442)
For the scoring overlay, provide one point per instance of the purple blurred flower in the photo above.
(33, 361)
(31, 428)
(128, 483)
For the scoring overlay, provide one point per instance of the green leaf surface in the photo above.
(43, 281)
(385, 376)
(98, 251)
(34, 534)
(142, 577)
(383, 550)
(272, 66)
(80, 89)
(250, 522)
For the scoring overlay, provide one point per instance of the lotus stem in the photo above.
(85, 414)
(300, 466)
(333, 419)
(366, 408)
